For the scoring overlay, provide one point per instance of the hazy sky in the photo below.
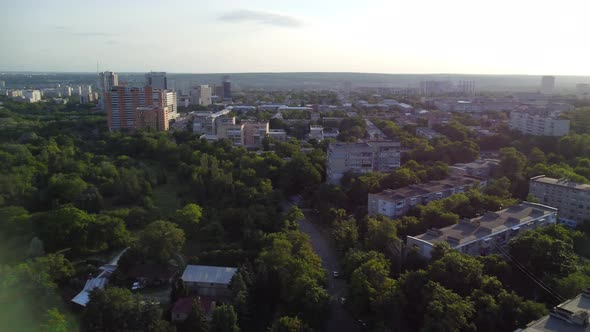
(390, 36)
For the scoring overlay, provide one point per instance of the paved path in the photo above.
(340, 319)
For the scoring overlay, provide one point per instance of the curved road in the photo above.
(340, 319)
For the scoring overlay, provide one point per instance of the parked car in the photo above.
(335, 274)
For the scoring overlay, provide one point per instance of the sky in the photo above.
(534, 37)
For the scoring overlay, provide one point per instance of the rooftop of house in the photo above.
(570, 316)
(560, 182)
(492, 222)
(184, 305)
(428, 187)
(209, 274)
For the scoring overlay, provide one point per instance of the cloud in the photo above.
(262, 18)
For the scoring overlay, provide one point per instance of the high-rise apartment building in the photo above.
(153, 117)
(365, 157)
(572, 199)
(156, 80)
(122, 102)
(226, 88)
(107, 80)
(547, 84)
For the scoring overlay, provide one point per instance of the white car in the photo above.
(335, 274)
(136, 285)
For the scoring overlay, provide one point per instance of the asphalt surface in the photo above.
(340, 319)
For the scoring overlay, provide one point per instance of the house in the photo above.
(210, 281)
(481, 235)
(183, 306)
(570, 316)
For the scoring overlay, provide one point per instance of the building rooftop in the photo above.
(208, 274)
(560, 182)
(492, 222)
(428, 187)
(570, 316)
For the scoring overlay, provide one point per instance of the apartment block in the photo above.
(153, 117)
(201, 95)
(364, 157)
(233, 132)
(572, 315)
(538, 124)
(482, 168)
(254, 133)
(572, 199)
(427, 133)
(482, 235)
(394, 203)
(278, 134)
(207, 122)
(121, 104)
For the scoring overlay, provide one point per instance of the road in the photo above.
(340, 319)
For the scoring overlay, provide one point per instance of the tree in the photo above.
(188, 217)
(368, 282)
(57, 266)
(345, 234)
(61, 228)
(161, 240)
(289, 324)
(224, 319)
(381, 232)
(55, 321)
(446, 311)
(196, 320)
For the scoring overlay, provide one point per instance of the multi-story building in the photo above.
(569, 316)
(153, 117)
(571, 198)
(278, 134)
(538, 124)
(107, 80)
(207, 122)
(395, 203)
(201, 95)
(316, 132)
(232, 131)
(226, 88)
(31, 96)
(427, 133)
(121, 104)
(254, 133)
(482, 168)
(481, 235)
(434, 88)
(547, 84)
(365, 157)
(157, 80)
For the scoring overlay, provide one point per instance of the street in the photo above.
(340, 319)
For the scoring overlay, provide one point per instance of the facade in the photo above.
(547, 84)
(207, 122)
(571, 198)
(226, 88)
(210, 281)
(365, 157)
(481, 235)
(31, 96)
(156, 80)
(434, 88)
(153, 117)
(278, 134)
(254, 133)
(232, 131)
(396, 203)
(316, 132)
(201, 95)
(538, 125)
(482, 168)
(107, 80)
(569, 316)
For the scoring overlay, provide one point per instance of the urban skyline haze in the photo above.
(455, 36)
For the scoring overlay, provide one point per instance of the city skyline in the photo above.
(264, 36)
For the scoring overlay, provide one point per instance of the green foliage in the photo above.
(161, 241)
(289, 324)
(345, 233)
(224, 319)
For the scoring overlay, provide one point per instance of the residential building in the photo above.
(433, 88)
(232, 131)
(278, 134)
(364, 157)
(226, 88)
(254, 133)
(106, 81)
(330, 133)
(569, 316)
(207, 122)
(538, 124)
(571, 198)
(183, 307)
(14, 93)
(465, 88)
(156, 80)
(547, 84)
(427, 133)
(395, 203)
(316, 132)
(201, 95)
(31, 96)
(482, 168)
(154, 117)
(482, 235)
(122, 102)
(210, 281)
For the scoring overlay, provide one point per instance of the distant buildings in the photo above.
(538, 124)
(156, 80)
(571, 198)
(361, 158)
(227, 93)
(435, 88)
(465, 88)
(482, 168)
(547, 84)
(479, 236)
(106, 81)
(201, 95)
(427, 133)
(31, 96)
(154, 117)
(254, 133)
(569, 316)
(278, 134)
(395, 203)
(207, 122)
